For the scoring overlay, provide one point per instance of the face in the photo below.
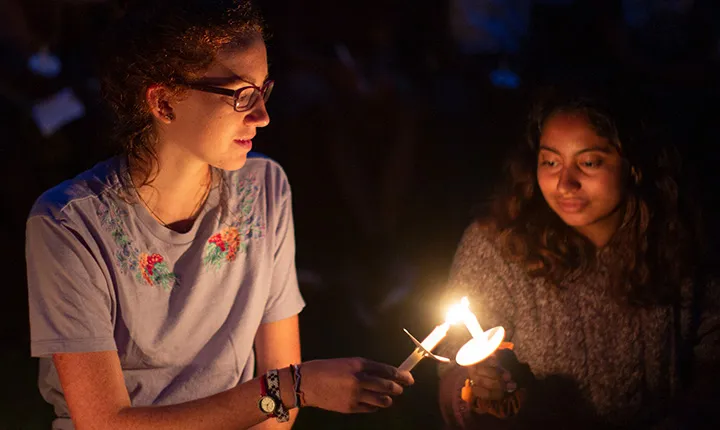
(581, 176)
(206, 127)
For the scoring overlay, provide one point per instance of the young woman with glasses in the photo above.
(162, 281)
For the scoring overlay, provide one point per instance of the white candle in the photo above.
(471, 321)
(473, 326)
(435, 336)
(429, 343)
(455, 314)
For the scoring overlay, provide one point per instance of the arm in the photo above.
(98, 400)
(277, 341)
(96, 395)
(277, 345)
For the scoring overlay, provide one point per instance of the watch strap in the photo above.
(263, 394)
(273, 389)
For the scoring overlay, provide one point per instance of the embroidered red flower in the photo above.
(218, 241)
(155, 258)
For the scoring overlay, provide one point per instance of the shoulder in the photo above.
(479, 260)
(479, 243)
(66, 198)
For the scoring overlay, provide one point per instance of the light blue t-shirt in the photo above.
(181, 309)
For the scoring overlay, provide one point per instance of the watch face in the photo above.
(267, 404)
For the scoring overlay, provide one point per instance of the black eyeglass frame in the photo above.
(263, 91)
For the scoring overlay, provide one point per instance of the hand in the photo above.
(490, 380)
(351, 385)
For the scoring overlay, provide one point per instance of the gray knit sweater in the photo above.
(618, 364)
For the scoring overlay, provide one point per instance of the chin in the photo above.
(231, 165)
(576, 219)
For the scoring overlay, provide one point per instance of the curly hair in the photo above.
(655, 248)
(168, 43)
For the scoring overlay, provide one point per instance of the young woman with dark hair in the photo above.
(591, 258)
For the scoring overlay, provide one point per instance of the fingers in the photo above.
(374, 399)
(490, 381)
(478, 372)
(490, 392)
(404, 377)
(379, 385)
(387, 372)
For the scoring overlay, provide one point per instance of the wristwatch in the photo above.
(268, 404)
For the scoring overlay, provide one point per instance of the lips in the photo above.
(571, 205)
(245, 143)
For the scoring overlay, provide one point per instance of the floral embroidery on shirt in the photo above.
(155, 271)
(150, 269)
(224, 246)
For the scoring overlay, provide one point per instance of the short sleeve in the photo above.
(284, 300)
(480, 273)
(70, 304)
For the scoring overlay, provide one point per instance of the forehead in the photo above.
(239, 62)
(571, 132)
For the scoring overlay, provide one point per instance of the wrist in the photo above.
(307, 384)
(287, 392)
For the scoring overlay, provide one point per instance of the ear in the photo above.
(158, 100)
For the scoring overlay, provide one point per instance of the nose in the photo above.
(258, 115)
(568, 181)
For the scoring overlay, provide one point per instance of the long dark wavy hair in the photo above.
(164, 42)
(655, 248)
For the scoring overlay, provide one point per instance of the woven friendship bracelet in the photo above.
(299, 396)
(273, 386)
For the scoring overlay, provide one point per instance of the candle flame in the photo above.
(457, 312)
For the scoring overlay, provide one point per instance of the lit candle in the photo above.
(482, 344)
(435, 336)
(454, 315)
(471, 321)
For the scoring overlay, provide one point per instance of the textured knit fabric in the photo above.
(592, 356)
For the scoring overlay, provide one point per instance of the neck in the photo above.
(601, 231)
(178, 189)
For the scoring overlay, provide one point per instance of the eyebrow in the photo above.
(602, 149)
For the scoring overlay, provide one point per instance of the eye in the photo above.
(591, 164)
(548, 163)
(244, 97)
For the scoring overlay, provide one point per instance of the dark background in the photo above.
(387, 153)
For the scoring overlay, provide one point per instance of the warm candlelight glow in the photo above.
(470, 320)
(455, 314)
(482, 344)
(479, 348)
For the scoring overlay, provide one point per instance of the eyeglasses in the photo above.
(243, 98)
